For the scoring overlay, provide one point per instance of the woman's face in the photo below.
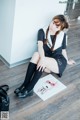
(55, 25)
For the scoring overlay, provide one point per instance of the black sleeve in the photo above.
(41, 35)
(64, 42)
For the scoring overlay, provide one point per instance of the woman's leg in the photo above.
(31, 68)
(46, 70)
(30, 71)
(34, 80)
(35, 58)
(51, 65)
(29, 90)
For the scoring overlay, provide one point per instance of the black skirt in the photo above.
(62, 62)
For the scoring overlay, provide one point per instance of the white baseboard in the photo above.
(14, 64)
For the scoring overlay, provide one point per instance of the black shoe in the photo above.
(25, 93)
(18, 90)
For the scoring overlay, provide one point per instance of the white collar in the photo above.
(59, 39)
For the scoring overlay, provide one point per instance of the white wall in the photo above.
(29, 16)
(6, 27)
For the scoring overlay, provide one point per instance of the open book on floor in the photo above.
(48, 86)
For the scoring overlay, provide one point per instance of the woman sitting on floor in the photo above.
(50, 57)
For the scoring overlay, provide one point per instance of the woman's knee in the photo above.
(35, 57)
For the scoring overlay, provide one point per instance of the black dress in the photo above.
(56, 54)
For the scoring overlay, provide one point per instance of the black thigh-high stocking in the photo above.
(30, 71)
(34, 80)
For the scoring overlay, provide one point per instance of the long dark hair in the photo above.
(64, 24)
(63, 21)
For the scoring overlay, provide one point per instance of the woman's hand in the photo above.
(71, 62)
(41, 64)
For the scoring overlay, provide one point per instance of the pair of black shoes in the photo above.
(21, 92)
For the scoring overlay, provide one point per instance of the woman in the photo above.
(51, 55)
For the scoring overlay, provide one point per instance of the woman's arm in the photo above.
(70, 62)
(64, 53)
(41, 64)
(40, 49)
